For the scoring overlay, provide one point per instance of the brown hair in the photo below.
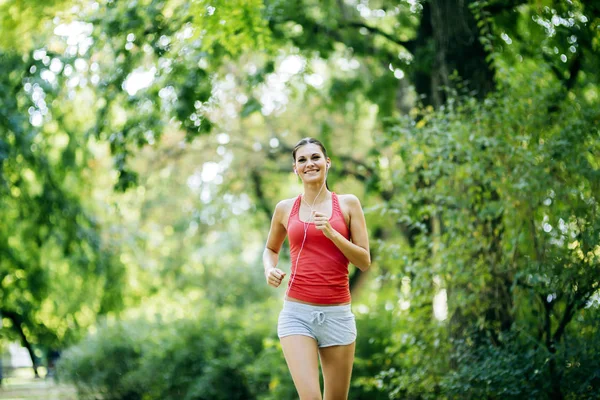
(305, 141)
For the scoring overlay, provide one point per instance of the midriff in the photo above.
(288, 298)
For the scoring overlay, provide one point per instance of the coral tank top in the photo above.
(321, 273)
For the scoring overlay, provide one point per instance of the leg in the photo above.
(336, 362)
(302, 359)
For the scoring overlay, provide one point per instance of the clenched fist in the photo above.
(322, 223)
(274, 276)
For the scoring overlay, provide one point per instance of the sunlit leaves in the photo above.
(21, 21)
(491, 194)
(236, 26)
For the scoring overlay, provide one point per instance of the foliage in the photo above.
(20, 20)
(64, 98)
(49, 240)
(144, 144)
(207, 357)
(500, 202)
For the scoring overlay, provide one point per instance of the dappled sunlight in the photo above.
(139, 79)
(146, 154)
(440, 305)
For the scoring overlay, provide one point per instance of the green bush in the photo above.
(509, 369)
(496, 207)
(210, 357)
(102, 363)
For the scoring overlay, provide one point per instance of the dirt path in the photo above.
(35, 389)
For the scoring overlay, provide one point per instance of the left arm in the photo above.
(357, 250)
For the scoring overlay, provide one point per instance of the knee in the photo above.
(336, 396)
(311, 396)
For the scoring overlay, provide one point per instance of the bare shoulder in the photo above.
(285, 205)
(350, 206)
(349, 201)
(283, 209)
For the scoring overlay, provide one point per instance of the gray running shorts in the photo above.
(328, 325)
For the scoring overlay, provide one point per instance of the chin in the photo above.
(314, 179)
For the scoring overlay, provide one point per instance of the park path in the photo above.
(35, 389)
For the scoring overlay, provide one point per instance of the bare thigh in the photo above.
(336, 363)
(302, 359)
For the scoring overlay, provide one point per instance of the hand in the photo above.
(322, 223)
(274, 276)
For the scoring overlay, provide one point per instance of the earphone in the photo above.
(306, 225)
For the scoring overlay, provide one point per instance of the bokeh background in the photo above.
(145, 143)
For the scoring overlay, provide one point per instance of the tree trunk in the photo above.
(448, 41)
(17, 321)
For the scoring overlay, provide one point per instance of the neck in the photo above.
(314, 194)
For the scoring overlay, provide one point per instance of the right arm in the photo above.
(277, 234)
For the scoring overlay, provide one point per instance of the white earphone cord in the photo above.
(306, 225)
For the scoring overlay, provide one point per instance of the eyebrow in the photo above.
(313, 154)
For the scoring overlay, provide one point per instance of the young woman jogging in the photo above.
(326, 232)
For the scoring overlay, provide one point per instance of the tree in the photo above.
(430, 108)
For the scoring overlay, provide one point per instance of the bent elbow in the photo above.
(268, 250)
(365, 266)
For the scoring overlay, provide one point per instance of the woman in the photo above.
(325, 233)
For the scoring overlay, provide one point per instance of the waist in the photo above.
(332, 309)
(305, 293)
(294, 300)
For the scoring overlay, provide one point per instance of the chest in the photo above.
(305, 211)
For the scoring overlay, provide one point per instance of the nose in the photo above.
(309, 164)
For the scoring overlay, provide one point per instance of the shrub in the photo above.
(205, 358)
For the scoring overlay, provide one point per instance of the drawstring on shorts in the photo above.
(318, 317)
(328, 325)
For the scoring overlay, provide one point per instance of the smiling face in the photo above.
(311, 164)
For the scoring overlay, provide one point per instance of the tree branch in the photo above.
(572, 306)
(574, 71)
(500, 6)
(263, 204)
(17, 322)
(318, 29)
(536, 244)
(409, 44)
(548, 323)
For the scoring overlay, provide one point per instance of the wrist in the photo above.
(333, 234)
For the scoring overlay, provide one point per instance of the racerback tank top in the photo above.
(321, 273)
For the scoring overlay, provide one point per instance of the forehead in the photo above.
(308, 150)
